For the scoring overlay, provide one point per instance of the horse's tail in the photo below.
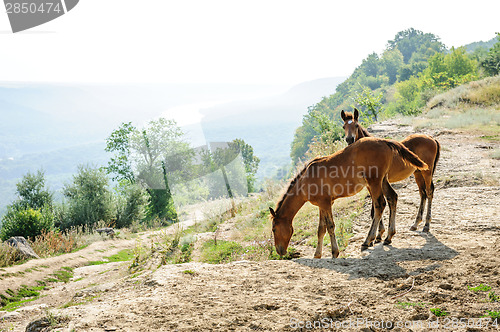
(407, 156)
(438, 153)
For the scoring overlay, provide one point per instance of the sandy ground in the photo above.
(360, 292)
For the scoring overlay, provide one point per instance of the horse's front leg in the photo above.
(321, 235)
(378, 202)
(330, 226)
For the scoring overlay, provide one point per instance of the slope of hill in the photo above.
(451, 271)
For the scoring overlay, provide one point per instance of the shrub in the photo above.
(27, 223)
(89, 198)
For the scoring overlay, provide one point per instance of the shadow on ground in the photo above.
(382, 261)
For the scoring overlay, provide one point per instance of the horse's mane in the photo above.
(294, 180)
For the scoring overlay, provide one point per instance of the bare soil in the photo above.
(395, 285)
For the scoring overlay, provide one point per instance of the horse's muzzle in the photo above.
(349, 140)
(280, 250)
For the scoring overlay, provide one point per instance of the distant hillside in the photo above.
(481, 44)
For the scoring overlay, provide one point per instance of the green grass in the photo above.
(190, 272)
(216, 252)
(480, 288)
(492, 297)
(493, 314)
(63, 275)
(14, 299)
(439, 312)
(122, 256)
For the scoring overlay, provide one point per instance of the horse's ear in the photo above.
(342, 114)
(356, 114)
(272, 212)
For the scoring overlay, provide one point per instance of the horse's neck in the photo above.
(362, 132)
(292, 203)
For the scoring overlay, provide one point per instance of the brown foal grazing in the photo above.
(342, 174)
(424, 146)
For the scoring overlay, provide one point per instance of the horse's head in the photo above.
(282, 232)
(350, 125)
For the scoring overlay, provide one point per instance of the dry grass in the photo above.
(484, 93)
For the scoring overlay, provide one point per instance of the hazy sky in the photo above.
(191, 41)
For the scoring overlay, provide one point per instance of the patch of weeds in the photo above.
(406, 305)
(63, 275)
(492, 314)
(290, 254)
(480, 288)
(190, 272)
(438, 312)
(216, 252)
(13, 300)
(49, 322)
(122, 256)
(492, 297)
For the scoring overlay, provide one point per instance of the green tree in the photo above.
(119, 143)
(408, 96)
(27, 223)
(250, 161)
(33, 193)
(392, 61)
(89, 198)
(371, 101)
(414, 43)
(130, 205)
(152, 157)
(447, 71)
(161, 156)
(32, 213)
(491, 63)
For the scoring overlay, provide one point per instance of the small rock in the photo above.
(446, 286)
(23, 248)
(108, 230)
(11, 316)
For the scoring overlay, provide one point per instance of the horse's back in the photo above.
(424, 146)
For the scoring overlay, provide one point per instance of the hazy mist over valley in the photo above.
(57, 127)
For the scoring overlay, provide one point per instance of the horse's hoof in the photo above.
(364, 247)
(335, 254)
(425, 230)
(378, 240)
(317, 256)
(413, 228)
(387, 242)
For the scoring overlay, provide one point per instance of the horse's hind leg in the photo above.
(379, 203)
(321, 234)
(419, 178)
(430, 194)
(392, 200)
(381, 228)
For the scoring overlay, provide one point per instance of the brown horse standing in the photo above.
(345, 173)
(425, 147)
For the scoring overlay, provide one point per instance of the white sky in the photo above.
(203, 41)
